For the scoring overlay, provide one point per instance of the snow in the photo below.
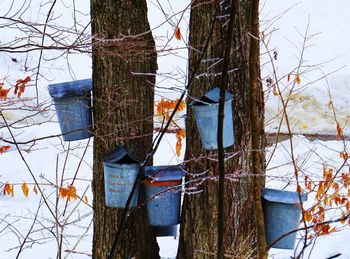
(327, 52)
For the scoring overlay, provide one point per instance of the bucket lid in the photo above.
(120, 155)
(280, 196)
(212, 97)
(165, 173)
(72, 88)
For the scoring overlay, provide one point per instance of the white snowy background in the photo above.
(327, 53)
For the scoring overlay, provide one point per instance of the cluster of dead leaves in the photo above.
(9, 189)
(19, 88)
(68, 192)
(21, 85)
(165, 106)
(329, 194)
(296, 78)
(271, 84)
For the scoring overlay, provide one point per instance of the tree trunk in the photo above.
(243, 212)
(123, 49)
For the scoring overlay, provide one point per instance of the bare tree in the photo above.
(244, 176)
(123, 114)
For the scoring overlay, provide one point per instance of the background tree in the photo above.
(123, 113)
(244, 232)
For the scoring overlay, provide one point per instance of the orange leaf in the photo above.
(326, 201)
(343, 221)
(339, 131)
(20, 85)
(63, 192)
(3, 149)
(346, 180)
(297, 79)
(177, 33)
(308, 183)
(325, 229)
(320, 191)
(327, 174)
(337, 200)
(275, 92)
(344, 155)
(86, 199)
(35, 189)
(180, 134)
(178, 148)
(307, 216)
(7, 189)
(25, 189)
(288, 77)
(335, 186)
(4, 93)
(347, 206)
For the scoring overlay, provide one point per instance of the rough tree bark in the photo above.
(244, 231)
(123, 114)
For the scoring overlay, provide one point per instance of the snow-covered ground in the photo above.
(325, 62)
(328, 50)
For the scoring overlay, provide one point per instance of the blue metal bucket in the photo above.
(166, 231)
(282, 215)
(206, 114)
(120, 173)
(72, 102)
(163, 194)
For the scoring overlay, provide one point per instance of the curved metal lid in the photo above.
(72, 88)
(120, 155)
(165, 173)
(280, 196)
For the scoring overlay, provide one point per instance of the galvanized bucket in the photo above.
(282, 215)
(163, 194)
(206, 114)
(120, 173)
(72, 102)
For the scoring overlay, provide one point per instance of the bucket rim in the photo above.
(165, 172)
(213, 96)
(70, 88)
(150, 182)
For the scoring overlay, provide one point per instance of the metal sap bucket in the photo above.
(120, 173)
(282, 215)
(166, 231)
(163, 186)
(72, 102)
(206, 114)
